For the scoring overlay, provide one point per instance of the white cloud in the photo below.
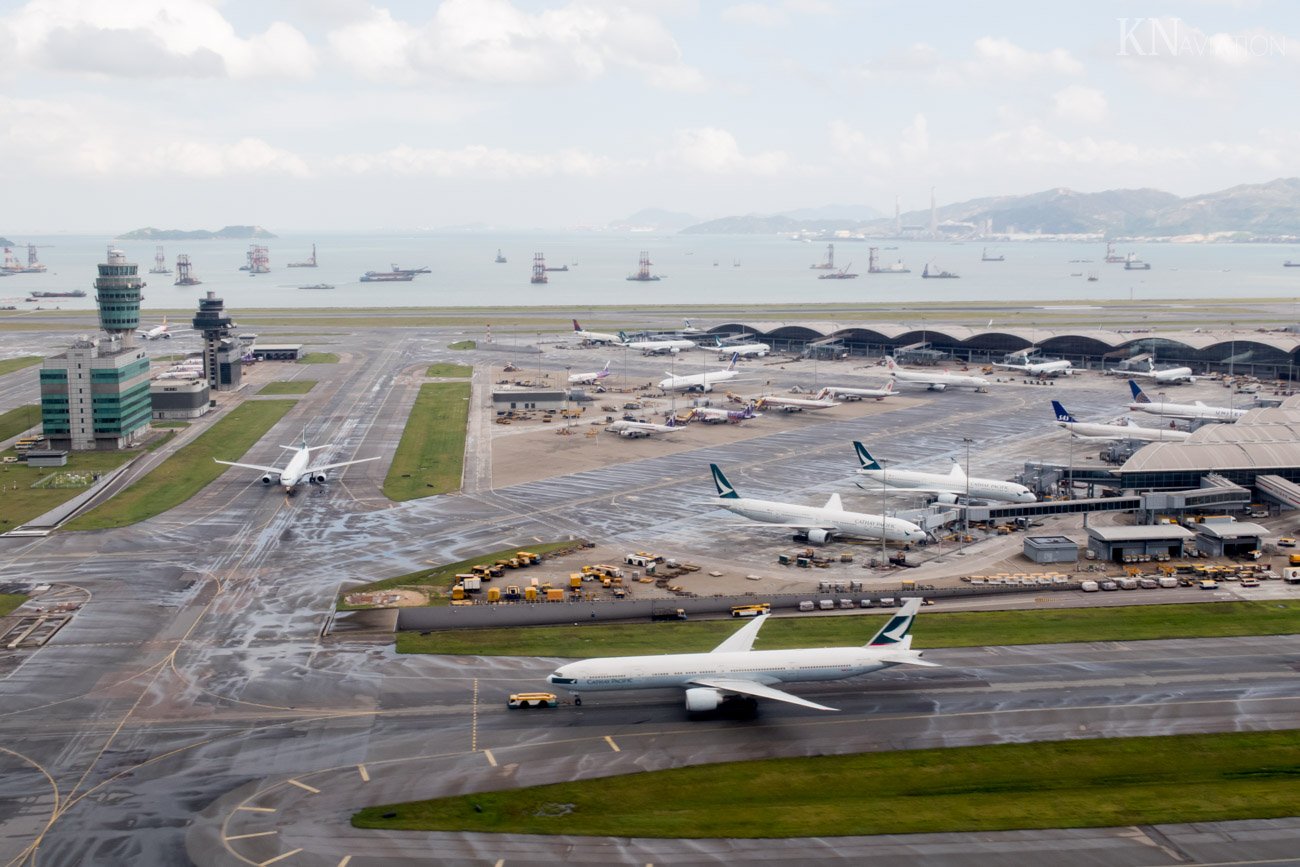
(473, 161)
(494, 42)
(990, 59)
(149, 38)
(1079, 103)
(1003, 57)
(716, 151)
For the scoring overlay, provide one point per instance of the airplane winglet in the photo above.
(742, 639)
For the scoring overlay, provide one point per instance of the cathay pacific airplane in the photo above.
(734, 671)
(820, 524)
(700, 381)
(949, 487)
(1190, 411)
(299, 469)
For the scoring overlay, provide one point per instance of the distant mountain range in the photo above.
(654, 219)
(229, 233)
(5, 242)
(1250, 210)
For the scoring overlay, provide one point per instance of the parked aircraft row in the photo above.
(1129, 430)
(1197, 411)
(949, 488)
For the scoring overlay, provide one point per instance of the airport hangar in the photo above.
(1268, 354)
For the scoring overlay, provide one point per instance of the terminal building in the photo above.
(96, 395)
(179, 399)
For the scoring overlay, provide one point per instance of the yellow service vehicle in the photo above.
(751, 610)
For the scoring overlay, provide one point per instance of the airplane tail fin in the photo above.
(1062, 414)
(889, 386)
(957, 472)
(735, 356)
(576, 326)
(1138, 395)
(823, 394)
(605, 369)
(895, 632)
(725, 490)
(890, 363)
(835, 503)
(864, 457)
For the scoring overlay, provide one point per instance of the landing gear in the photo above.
(577, 700)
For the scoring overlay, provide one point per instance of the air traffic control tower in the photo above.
(221, 352)
(117, 293)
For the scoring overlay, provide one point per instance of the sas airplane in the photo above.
(936, 381)
(949, 487)
(299, 469)
(735, 672)
(1130, 430)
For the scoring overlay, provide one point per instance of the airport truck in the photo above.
(668, 614)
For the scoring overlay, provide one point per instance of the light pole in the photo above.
(539, 359)
(567, 368)
(965, 512)
(884, 488)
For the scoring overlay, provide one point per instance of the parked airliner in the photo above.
(851, 393)
(937, 381)
(635, 429)
(299, 469)
(793, 404)
(700, 381)
(159, 332)
(949, 487)
(744, 350)
(1190, 411)
(594, 336)
(1055, 367)
(1169, 375)
(1130, 430)
(718, 415)
(734, 671)
(589, 378)
(820, 524)
(656, 347)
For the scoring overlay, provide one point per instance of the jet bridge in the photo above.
(1277, 488)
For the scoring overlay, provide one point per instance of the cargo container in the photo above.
(472, 583)
(1089, 586)
(1168, 581)
(555, 595)
(806, 605)
(826, 604)
(494, 594)
(530, 594)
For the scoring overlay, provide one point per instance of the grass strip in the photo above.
(463, 344)
(431, 453)
(442, 577)
(1055, 784)
(189, 469)
(19, 419)
(9, 365)
(10, 601)
(288, 386)
(318, 358)
(445, 369)
(958, 629)
(21, 502)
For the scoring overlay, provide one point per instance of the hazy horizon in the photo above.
(346, 115)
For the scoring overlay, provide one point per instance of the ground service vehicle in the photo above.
(532, 699)
(668, 614)
(751, 610)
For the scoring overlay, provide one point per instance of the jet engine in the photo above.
(674, 350)
(946, 499)
(702, 699)
(318, 478)
(818, 537)
(268, 479)
(706, 387)
(938, 386)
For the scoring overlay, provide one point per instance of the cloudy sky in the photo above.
(349, 114)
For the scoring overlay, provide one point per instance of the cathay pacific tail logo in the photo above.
(725, 490)
(895, 631)
(864, 457)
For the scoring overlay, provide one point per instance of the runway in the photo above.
(195, 680)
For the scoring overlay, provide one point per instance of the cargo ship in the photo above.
(643, 274)
(387, 277)
(11, 264)
(71, 293)
(317, 286)
(874, 266)
(1133, 263)
(996, 258)
(310, 263)
(842, 274)
(937, 275)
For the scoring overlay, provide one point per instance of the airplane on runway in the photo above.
(793, 404)
(589, 378)
(1056, 367)
(1169, 375)
(1189, 411)
(949, 487)
(299, 469)
(744, 350)
(847, 393)
(733, 671)
(1130, 430)
(594, 336)
(635, 429)
(820, 524)
(700, 381)
(655, 347)
(936, 381)
(159, 332)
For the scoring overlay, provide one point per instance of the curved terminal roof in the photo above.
(1214, 456)
(1235, 343)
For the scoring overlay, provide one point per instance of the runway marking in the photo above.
(279, 857)
(365, 775)
(255, 834)
(500, 862)
(344, 862)
(613, 746)
(492, 760)
(256, 809)
(473, 720)
(312, 789)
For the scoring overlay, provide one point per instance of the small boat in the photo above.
(937, 275)
(987, 258)
(500, 260)
(1289, 264)
(1092, 278)
(387, 277)
(1076, 273)
(318, 286)
(1133, 263)
(842, 274)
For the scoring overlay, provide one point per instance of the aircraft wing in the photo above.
(275, 470)
(954, 488)
(335, 465)
(757, 690)
(743, 638)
